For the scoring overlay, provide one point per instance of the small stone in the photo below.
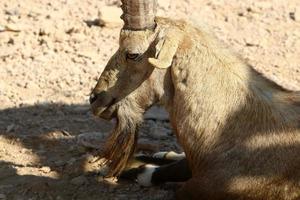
(292, 16)
(11, 41)
(2, 196)
(60, 36)
(10, 128)
(80, 180)
(9, 28)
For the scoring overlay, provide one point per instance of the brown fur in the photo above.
(240, 131)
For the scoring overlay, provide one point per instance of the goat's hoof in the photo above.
(145, 177)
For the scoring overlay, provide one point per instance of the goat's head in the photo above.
(126, 87)
(128, 68)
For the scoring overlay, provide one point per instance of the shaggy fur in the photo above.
(121, 143)
(240, 132)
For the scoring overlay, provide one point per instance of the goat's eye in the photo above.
(133, 56)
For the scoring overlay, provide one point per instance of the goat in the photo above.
(240, 131)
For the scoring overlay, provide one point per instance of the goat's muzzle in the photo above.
(101, 104)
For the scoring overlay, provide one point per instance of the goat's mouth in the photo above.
(106, 112)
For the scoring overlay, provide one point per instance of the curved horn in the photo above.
(139, 14)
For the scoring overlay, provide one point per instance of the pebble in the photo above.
(60, 36)
(2, 196)
(10, 128)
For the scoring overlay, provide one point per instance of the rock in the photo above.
(109, 16)
(156, 113)
(80, 180)
(10, 128)
(9, 28)
(2, 196)
(12, 12)
(59, 36)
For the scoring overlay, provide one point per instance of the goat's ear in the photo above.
(165, 50)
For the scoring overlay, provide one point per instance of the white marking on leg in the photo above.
(171, 155)
(144, 179)
(175, 156)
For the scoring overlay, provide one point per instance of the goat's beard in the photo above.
(121, 144)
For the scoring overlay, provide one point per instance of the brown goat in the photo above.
(240, 132)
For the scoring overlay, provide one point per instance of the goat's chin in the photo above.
(106, 113)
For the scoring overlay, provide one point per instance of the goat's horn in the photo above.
(139, 14)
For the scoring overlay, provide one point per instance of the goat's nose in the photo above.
(93, 98)
(103, 98)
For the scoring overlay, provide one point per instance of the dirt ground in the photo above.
(48, 68)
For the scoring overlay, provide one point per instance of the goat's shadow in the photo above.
(40, 157)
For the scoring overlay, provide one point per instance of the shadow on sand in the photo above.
(40, 157)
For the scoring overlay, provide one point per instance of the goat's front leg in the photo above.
(177, 169)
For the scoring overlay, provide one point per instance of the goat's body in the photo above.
(240, 131)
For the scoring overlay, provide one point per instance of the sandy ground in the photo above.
(48, 68)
